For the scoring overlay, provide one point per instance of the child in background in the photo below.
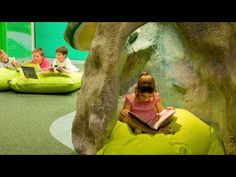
(62, 62)
(145, 101)
(8, 62)
(39, 58)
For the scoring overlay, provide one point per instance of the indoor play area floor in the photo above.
(26, 119)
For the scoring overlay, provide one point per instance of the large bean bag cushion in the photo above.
(5, 76)
(47, 83)
(192, 136)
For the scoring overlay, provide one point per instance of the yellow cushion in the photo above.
(47, 83)
(192, 136)
(5, 76)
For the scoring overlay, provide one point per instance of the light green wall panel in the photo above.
(19, 39)
(50, 35)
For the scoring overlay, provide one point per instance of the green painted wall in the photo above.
(50, 35)
(19, 40)
(3, 39)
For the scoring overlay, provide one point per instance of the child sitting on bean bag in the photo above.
(145, 102)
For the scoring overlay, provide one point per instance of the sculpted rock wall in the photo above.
(194, 68)
(212, 48)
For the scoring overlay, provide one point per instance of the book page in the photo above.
(155, 123)
(165, 114)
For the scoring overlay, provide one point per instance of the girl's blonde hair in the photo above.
(146, 83)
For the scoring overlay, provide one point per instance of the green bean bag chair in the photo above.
(5, 76)
(47, 83)
(192, 136)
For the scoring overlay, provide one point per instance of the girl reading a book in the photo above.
(146, 103)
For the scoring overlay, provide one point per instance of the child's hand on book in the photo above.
(125, 112)
(60, 69)
(170, 108)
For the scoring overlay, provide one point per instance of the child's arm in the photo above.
(170, 107)
(125, 111)
(33, 61)
(54, 63)
(15, 63)
(67, 64)
(159, 106)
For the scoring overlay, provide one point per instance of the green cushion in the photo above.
(192, 136)
(47, 83)
(5, 76)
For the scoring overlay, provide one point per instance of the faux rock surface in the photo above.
(193, 64)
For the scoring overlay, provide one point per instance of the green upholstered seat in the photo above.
(47, 83)
(192, 136)
(5, 76)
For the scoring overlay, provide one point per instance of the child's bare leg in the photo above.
(133, 123)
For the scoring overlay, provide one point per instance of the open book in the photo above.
(61, 69)
(56, 68)
(156, 123)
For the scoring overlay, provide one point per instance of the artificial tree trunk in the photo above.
(98, 97)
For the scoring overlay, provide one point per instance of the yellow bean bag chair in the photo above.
(53, 82)
(5, 76)
(192, 136)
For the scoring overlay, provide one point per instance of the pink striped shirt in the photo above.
(46, 64)
(146, 110)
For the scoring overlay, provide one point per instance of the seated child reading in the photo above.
(146, 102)
(8, 62)
(62, 63)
